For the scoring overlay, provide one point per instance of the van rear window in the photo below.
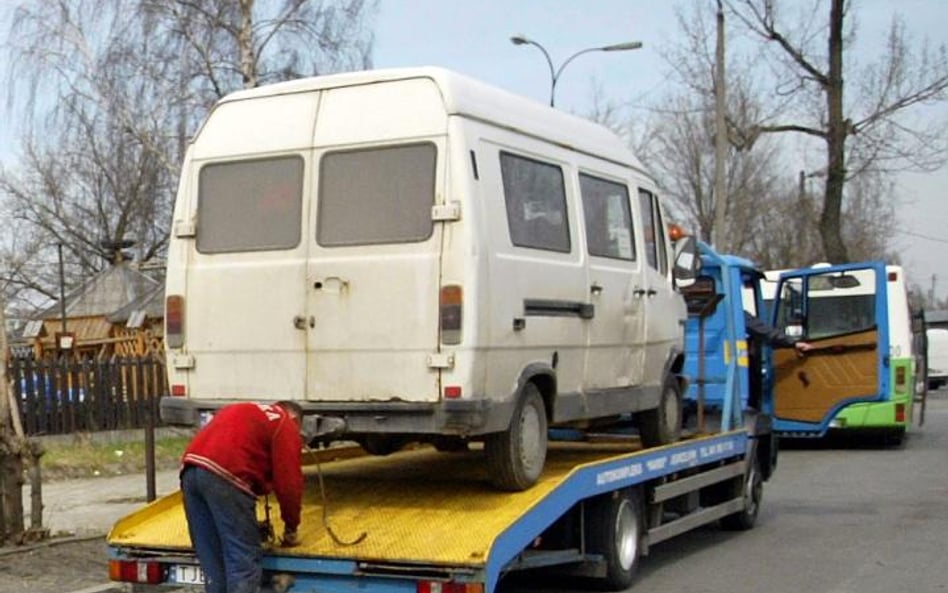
(377, 195)
(536, 203)
(250, 205)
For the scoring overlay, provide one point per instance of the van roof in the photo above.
(467, 97)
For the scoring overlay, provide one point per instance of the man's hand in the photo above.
(291, 539)
(803, 347)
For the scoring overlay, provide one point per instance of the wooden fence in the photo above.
(67, 396)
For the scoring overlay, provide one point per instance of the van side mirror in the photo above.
(687, 261)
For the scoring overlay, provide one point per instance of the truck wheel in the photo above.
(616, 532)
(515, 457)
(662, 425)
(752, 490)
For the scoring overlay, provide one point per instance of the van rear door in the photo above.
(842, 311)
(238, 254)
(374, 263)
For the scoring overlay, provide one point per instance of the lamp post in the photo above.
(556, 72)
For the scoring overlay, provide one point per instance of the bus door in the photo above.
(842, 312)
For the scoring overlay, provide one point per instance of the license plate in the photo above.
(187, 574)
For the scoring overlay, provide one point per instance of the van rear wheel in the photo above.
(380, 444)
(516, 456)
(662, 425)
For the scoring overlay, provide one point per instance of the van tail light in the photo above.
(451, 300)
(131, 571)
(174, 321)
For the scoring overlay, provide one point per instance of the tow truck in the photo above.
(427, 521)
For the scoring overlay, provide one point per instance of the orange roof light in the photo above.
(675, 232)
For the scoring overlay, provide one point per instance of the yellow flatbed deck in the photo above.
(422, 510)
(416, 506)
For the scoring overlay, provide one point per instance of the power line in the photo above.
(921, 236)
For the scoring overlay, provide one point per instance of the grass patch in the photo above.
(84, 458)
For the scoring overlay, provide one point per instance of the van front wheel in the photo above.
(516, 456)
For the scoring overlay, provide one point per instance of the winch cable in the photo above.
(325, 501)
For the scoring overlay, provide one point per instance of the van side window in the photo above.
(376, 195)
(660, 236)
(250, 205)
(536, 203)
(608, 220)
(648, 227)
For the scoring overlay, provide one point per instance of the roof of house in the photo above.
(106, 293)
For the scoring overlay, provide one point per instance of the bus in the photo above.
(860, 375)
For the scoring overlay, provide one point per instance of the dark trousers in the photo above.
(222, 522)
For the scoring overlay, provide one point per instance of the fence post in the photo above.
(147, 397)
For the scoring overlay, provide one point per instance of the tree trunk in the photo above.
(245, 41)
(830, 219)
(720, 140)
(12, 443)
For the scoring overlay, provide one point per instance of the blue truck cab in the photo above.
(729, 374)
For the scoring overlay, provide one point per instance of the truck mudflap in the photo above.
(428, 517)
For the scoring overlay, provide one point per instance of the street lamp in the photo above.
(555, 73)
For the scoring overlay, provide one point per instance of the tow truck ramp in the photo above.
(433, 523)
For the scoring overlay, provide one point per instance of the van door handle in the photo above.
(596, 288)
(333, 284)
(638, 292)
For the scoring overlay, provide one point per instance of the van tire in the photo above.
(615, 532)
(378, 444)
(516, 456)
(662, 425)
(449, 444)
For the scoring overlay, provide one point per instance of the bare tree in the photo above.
(242, 44)
(680, 144)
(107, 92)
(868, 131)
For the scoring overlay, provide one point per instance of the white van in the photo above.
(937, 357)
(428, 258)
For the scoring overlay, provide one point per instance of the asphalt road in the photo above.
(837, 518)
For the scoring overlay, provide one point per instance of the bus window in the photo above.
(840, 303)
(790, 313)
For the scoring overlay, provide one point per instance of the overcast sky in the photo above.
(472, 37)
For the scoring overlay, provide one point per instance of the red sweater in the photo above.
(257, 448)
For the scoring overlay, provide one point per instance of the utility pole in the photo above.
(720, 138)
